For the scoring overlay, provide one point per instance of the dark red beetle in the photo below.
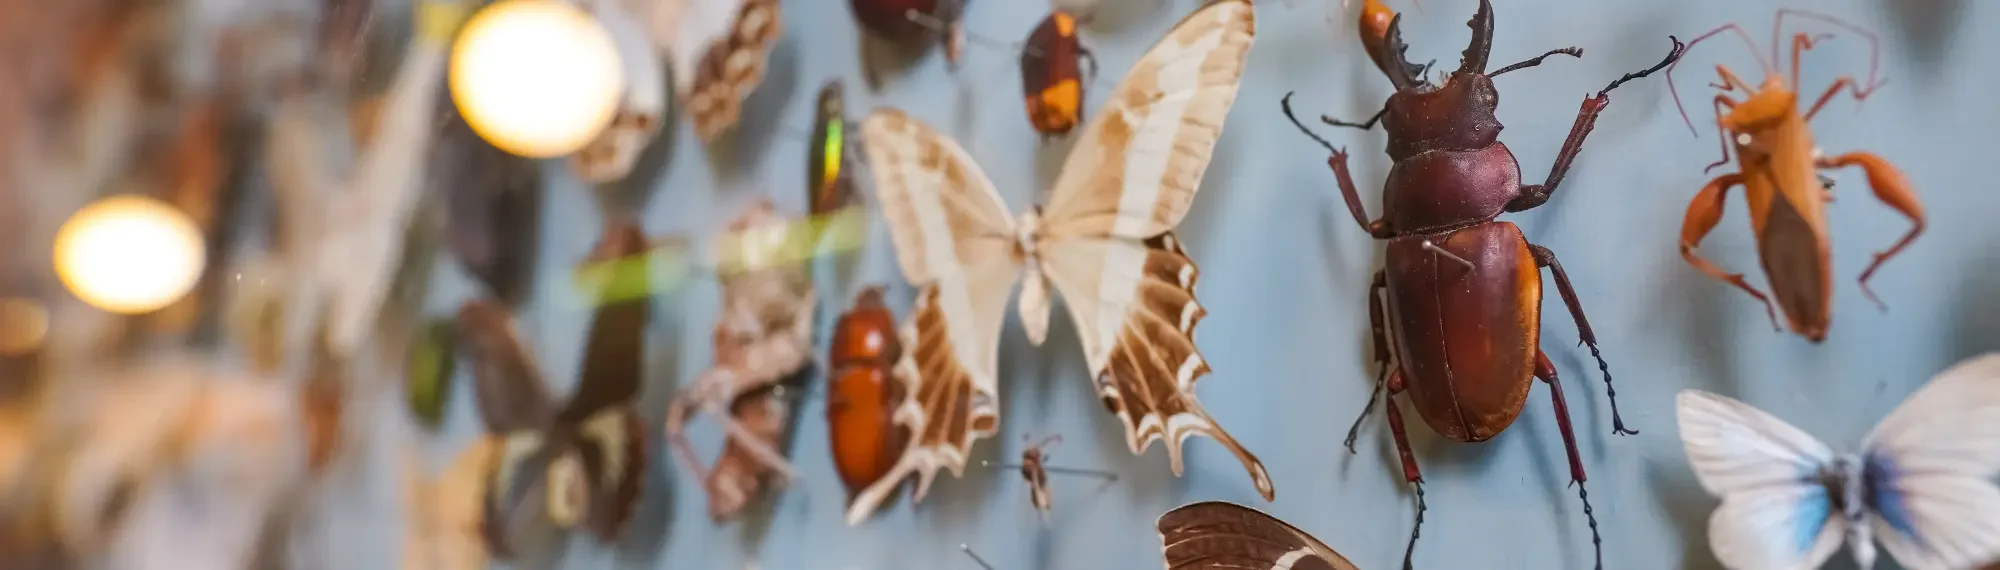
(1052, 77)
(1462, 292)
(914, 21)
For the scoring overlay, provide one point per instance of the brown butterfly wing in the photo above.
(615, 351)
(508, 385)
(1217, 535)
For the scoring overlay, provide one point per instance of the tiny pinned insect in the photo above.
(1035, 470)
(1052, 74)
(829, 180)
(1215, 535)
(1777, 168)
(1921, 483)
(860, 413)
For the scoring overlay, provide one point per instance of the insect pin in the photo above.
(967, 549)
(1777, 164)
(1035, 470)
(1920, 484)
(1451, 179)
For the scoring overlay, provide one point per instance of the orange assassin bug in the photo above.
(1778, 166)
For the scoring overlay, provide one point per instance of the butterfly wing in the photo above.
(1224, 536)
(1930, 466)
(507, 383)
(955, 241)
(615, 348)
(1137, 166)
(1108, 247)
(613, 446)
(717, 49)
(1775, 513)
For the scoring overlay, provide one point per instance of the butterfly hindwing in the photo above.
(1775, 511)
(507, 383)
(1224, 536)
(1929, 466)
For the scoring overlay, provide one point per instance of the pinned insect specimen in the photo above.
(866, 440)
(583, 460)
(718, 50)
(1461, 293)
(1215, 535)
(763, 339)
(1777, 163)
(610, 156)
(829, 180)
(1052, 74)
(1105, 242)
(914, 21)
(1035, 470)
(1921, 483)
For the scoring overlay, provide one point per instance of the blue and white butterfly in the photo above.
(1921, 483)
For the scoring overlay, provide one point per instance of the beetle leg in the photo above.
(1891, 188)
(1702, 215)
(1547, 258)
(1382, 361)
(1410, 473)
(1338, 161)
(1547, 372)
(1586, 118)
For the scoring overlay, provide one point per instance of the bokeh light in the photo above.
(24, 324)
(536, 78)
(129, 254)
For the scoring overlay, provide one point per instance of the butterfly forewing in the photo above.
(1930, 465)
(1775, 510)
(1140, 160)
(944, 214)
(613, 444)
(1219, 536)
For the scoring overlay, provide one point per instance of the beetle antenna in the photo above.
(962, 547)
(1752, 44)
(1673, 56)
(1454, 257)
(1287, 104)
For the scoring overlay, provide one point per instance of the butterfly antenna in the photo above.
(962, 547)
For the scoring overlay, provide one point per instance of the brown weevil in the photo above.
(1460, 295)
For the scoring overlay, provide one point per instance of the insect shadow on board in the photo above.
(1454, 277)
(1777, 165)
(576, 463)
(1921, 483)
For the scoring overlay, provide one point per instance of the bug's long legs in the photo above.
(1702, 216)
(1893, 189)
(1382, 356)
(1547, 373)
(1721, 135)
(1547, 258)
(1338, 161)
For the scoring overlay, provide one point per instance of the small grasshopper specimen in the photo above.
(1777, 165)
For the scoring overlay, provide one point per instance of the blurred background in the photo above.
(238, 240)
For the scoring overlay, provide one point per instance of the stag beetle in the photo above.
(1461, 292)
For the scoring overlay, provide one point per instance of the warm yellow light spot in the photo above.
(537, 78)
(129, 254)
(23, 325)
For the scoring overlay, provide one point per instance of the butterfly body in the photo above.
(1052, 75)
(866, 441)
(1920, 485)
(1459, 296)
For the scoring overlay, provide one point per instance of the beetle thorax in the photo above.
(1457, 116)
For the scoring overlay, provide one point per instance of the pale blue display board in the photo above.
(1285, 272)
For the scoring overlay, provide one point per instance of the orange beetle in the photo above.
(860, 413)
(1052, 76)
